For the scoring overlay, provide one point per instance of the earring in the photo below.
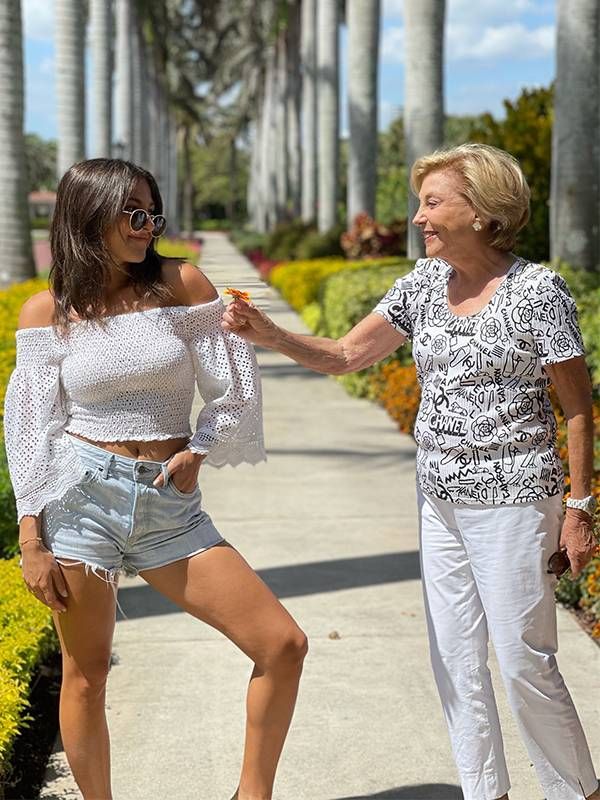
(477, 224)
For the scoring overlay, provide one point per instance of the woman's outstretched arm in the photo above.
(372, 339)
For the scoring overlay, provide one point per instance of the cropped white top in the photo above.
(129, 377)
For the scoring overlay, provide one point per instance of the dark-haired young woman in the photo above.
(105, 466)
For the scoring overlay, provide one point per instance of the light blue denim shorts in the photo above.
(115, 519)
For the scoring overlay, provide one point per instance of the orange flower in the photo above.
(238, 294)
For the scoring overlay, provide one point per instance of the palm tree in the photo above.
(293, 110)
(15, 236)
(281, 125)
(363, 52)
(574, 189)
(308, 47)
(328, 108)
(424, 94)
(70, 75)
(268, 176)
(101, 46)
(124, 78)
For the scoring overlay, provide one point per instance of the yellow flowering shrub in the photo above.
(26, 638)
(299, 281)
(26, 632)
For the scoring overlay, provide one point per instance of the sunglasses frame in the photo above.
(151, 217)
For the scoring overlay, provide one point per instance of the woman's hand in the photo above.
(577, 537)
(42, 576)
(250, 323)
(185, 465)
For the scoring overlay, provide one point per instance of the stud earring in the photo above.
(477, 224)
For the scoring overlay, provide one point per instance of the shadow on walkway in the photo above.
(296, 580)
(430, 791)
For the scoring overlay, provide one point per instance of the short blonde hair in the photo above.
(493, 183)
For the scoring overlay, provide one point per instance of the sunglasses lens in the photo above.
(160, 225)
(138, 219)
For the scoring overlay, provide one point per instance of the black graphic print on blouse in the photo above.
(485, 428)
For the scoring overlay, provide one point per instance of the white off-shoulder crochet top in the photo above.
(130, 377)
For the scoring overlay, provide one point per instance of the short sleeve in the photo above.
(42, 462)
(399, 306)
(556, 332)
(229, 428)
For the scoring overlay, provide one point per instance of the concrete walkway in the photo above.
(329, 522)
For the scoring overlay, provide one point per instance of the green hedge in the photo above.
(347, 297)
(26, 633)
(26, 638)
(299, 282)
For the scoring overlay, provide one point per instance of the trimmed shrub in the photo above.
(247, 241)
(185, 249)
(26, 638)
(319, 245)
(283, 242)
(299, 281)
(349, 296)
(368, 238)
(11, 300)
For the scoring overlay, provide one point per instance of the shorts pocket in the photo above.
(179, 493)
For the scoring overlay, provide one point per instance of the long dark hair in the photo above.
(90, 198)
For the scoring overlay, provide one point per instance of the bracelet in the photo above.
(32, 539)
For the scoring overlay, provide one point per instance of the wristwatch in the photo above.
(587, 504)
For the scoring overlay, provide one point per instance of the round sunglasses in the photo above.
(139, 218)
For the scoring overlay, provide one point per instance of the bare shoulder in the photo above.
(188, 284)
(37, 311)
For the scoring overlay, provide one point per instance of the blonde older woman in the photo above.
(490, 332)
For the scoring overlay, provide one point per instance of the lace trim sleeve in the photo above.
(229, 426)
(41, 459)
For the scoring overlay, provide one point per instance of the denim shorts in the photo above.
(115, 519)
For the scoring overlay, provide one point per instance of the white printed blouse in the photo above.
(130, 377)
(485, 429)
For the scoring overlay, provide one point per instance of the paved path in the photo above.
(333, 531)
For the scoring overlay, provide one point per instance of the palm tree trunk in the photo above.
(124, 79)
(294, 145)
(574, 190)
(15, 237)
(424, 95)
(268, 181)
(138, 97)
(363, 54)
(281, 122)
(254, 199)
(153, 97)
(173, 174)
(187, 211)
(233, 180)
(328, 108)
(101, 46)
(70, 74)
(308, 49)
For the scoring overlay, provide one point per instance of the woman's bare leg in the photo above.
(85, 631)
(258, 624)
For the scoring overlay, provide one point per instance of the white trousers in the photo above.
(485, 577)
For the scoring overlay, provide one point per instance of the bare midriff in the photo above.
(147, 451)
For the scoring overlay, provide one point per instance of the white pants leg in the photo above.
(484, 567)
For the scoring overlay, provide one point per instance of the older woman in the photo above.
(490, 332)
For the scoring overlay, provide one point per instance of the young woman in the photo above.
(105, 466)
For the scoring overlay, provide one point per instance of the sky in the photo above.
(493, 49)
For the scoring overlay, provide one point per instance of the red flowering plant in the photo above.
(368, 238)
